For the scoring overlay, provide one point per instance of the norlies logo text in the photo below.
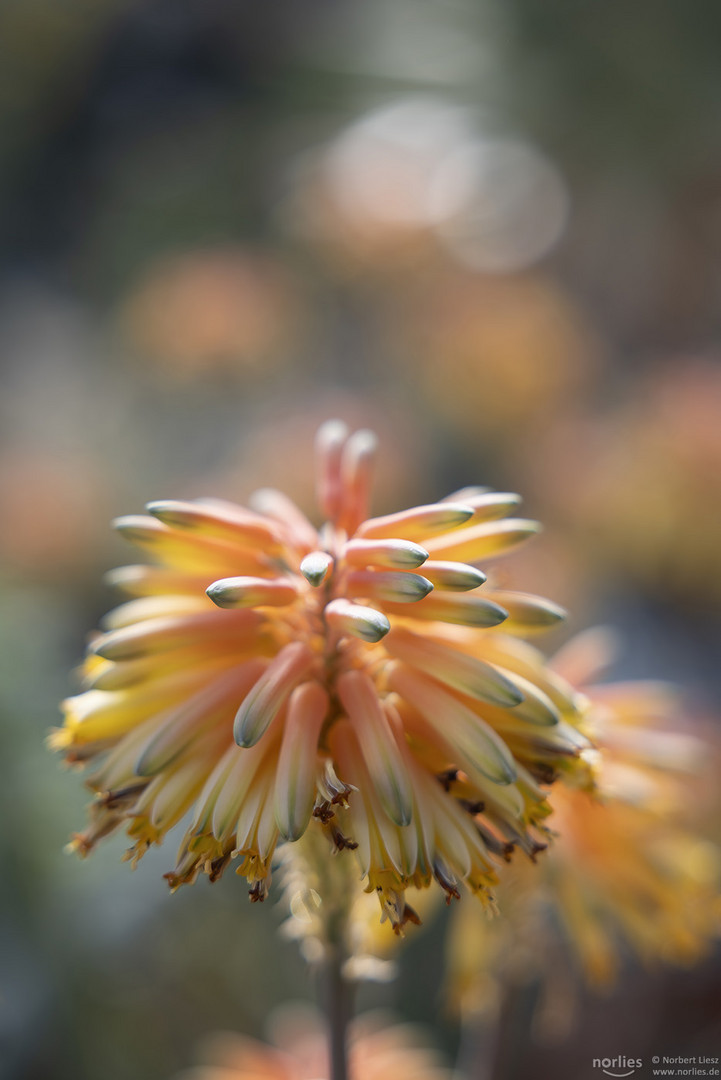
(618, 1066)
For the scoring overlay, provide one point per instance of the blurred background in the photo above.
(489, 230)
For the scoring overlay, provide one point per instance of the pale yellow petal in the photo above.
(295, 772)
(378, 745)
(271, 691)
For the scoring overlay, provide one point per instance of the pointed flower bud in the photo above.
(263, 702)
(417, 523)
(243, 592)
(295, 781)
(360, 620)
(394, 554)
(315, 566)
(388, 585)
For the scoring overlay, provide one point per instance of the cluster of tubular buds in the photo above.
(293, 702)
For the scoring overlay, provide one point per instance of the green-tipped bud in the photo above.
(453, 576)
(528, 613)
(454, 608)
(240, 592)
(388, 585)
(392, 553)
(315, 567)
(465, 673)
(361, 621)
(265, 700)
(380, 750)
(419, 522)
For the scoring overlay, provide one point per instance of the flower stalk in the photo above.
(338, 1006)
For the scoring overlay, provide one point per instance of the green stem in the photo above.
(338, 1008)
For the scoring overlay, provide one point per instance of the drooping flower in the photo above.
(649, 878)
(300, 1052)
(630, 870)
(254, 680)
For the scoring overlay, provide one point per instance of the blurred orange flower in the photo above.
(636, 483)
(300, 1053)
(213, 309)
(517, 346)
(49, 526)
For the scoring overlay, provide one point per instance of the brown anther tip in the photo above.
(448, 886)
(258, 892)
(473, 807)
(447, 778)
(508, 850)
(323, 812)
(536, 848)
(342, 842)
(410, 915)
(217, 867)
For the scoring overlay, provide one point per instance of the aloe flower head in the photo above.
(265, 678)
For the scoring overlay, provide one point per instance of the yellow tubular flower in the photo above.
(631, 863)
(630, 869)
(284, 699)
